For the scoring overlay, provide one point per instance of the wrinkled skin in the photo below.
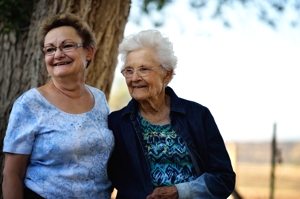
(164, 193)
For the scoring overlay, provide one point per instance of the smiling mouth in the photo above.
(60, 64)
(138, 86)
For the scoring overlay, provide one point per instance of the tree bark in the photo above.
(22, 62)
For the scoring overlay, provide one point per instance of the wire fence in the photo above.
(252, 164)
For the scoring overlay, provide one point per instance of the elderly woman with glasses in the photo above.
(57, 142)
(165, 146)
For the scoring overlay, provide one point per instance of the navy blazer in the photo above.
(128, 168)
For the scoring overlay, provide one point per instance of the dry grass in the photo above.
(253, 181)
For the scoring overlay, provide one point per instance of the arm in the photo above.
(217, 178)
(13, 175)
(203, 187)
(18, 143)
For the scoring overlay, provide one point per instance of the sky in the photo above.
(247, 75)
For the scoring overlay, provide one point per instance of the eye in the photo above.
(144, 70)
(68, 46)
(128, 71)
(49, 49)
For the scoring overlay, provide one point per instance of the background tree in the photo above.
(22, 62)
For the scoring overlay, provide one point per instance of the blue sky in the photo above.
(248, 75)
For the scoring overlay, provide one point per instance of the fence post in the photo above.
(273, 162)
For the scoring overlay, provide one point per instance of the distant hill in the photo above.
(261, 152)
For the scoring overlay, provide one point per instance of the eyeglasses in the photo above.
(142, 71)
(64, 47)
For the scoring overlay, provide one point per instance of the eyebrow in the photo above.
(137, 67)
(67, 40)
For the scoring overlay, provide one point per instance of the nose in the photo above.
(135, 76)
(59, 53)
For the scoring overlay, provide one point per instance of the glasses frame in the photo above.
(77, 45)
(138, 71)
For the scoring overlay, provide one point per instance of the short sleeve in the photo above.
(20, 133)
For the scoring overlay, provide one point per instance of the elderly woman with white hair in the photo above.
(165, 146)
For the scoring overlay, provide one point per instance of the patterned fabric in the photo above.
(167, 155)
(69, 152)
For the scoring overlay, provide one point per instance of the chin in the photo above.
(138, 97)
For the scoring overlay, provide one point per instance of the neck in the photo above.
(74, 91)
(156, 113)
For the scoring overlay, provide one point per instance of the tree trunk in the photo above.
(22, 62)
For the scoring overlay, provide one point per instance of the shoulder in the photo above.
(95, 90)
(192, 108)
(31, 96)
(29, 103)
(193, 104)
(185, 106)
(31, 93)
(117, 113)
(101, 104)
(97, 93)
(123, 116)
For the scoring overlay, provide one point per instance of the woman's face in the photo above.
(71, 63)
(152, 86)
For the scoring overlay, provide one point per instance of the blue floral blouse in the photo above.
(68, 152)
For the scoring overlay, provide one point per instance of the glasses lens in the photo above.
(128, 72)
(144, 71)
(49, 50)
(68, 46)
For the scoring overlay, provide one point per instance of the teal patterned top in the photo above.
(167, 155)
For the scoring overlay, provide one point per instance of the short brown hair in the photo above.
(67, 19)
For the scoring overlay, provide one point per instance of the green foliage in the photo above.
(15, 15)
(149, 6)
(159, 4)
(268, 11)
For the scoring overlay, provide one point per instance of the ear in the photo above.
(90, 52)
(168, 76)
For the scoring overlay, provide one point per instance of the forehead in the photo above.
(141, 57)
(60, 34)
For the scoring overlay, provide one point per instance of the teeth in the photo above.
(60, 64)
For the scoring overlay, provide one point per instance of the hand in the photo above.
(164, 193)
